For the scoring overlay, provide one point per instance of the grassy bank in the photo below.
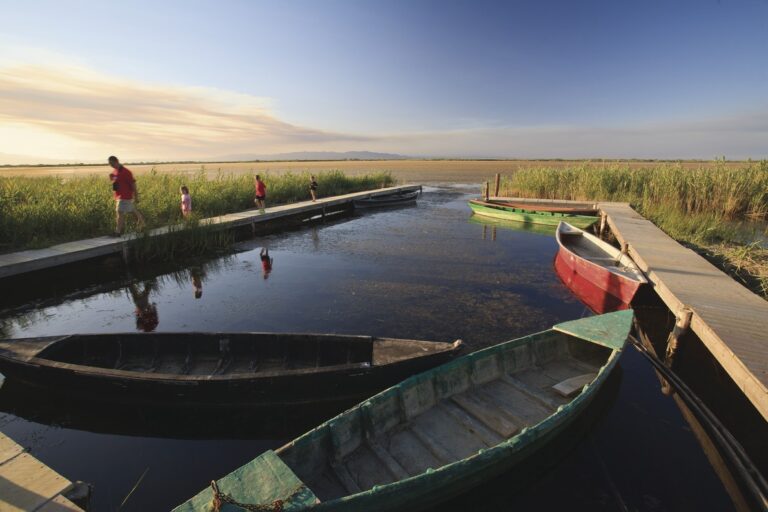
(38, 212)
(710, 209)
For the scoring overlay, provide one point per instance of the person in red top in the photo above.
(124, 187)
(266, 262)
(261, 193)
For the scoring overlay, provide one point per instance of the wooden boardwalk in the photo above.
(70, 252)
(730, 320)
(26, 484)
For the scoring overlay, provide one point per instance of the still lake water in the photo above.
(423, 272)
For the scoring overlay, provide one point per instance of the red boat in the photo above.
(601, 276)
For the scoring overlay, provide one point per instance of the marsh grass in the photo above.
(41, 211)
(708, 208)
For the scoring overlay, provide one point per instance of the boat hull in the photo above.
(600, 290)
(545, 207)
(389, 200)
(529, 216)
(338, 383)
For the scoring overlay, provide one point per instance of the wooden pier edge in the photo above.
(79, 250)
(731, 321)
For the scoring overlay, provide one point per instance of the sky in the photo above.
(186, 80)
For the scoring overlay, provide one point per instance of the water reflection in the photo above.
(196, 273)
(266, 262)
(146, 312)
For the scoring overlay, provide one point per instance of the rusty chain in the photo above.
(219, 498)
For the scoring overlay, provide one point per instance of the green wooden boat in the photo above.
(436, 434)
(529, 216)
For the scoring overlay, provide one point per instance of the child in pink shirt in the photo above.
(186, 202)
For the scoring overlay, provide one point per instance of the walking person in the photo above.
(261, 193)
(266, 262)
(126, 194)
(186, 202)
(313, 188)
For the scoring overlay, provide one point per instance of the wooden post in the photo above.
(487, 191)
(126, 253)
(682, 323)
(323, 213)
(498, 182)
(603, 222)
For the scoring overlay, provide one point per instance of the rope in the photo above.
(219, 498)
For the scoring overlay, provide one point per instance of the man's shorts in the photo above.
(124, 206)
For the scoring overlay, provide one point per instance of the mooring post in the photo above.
(323, 213)
(487, 190)
(603, 222)
(126, 253)
(682, 323)
(498, 182)
(253, 227)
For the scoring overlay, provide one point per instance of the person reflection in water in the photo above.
(266, 262)
(197, 281)
(146, 313)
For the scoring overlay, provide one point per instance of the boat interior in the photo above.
(601, 253)
(230, 354)
(444, 415)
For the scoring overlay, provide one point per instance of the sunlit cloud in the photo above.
(85, 111)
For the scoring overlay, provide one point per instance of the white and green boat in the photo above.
(529, 216)
(436, 434)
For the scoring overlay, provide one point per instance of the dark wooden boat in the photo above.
(600, 275)
(439, 433)
(219, 369)
(548, 207)
(528, 215)
(396, 199)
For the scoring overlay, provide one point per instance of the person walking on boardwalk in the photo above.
(124, 187)
(186, 202)
(261, 193)
(313, 188)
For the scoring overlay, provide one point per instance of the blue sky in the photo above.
(655, 79)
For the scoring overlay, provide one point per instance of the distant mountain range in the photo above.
(10, 159)
(311, 155)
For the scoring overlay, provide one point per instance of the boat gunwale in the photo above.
(482, 208)
(514, 443)
(640, 276)
(101, 372)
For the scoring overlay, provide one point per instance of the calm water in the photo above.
(424, 272)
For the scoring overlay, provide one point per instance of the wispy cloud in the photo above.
(115, 115)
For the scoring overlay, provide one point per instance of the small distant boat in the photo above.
(600, 275)
(439, 433)
(219, 369)
(527, 215)
(553, 207)
(395, 199)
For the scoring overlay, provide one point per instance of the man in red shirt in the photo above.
(124, 187)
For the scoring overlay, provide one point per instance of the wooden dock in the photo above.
(26, 484)
(70, 252)
(730, 320)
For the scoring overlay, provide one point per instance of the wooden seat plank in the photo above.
(571, 387)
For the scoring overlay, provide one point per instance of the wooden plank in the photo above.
(433, 446)
(493, 419)
(537, 394)
(728, 318)
(342, 473)
(26, 483)
(8, 448)
(572, 386)
(80, 250)
(488, 436)
(390, 463)
(59, 504)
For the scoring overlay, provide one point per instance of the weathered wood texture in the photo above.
(26, 484)
(70, 252)
(729, 319)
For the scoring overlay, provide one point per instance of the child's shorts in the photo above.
(125, 206)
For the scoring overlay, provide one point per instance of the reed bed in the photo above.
(710, 208)
(38, 212)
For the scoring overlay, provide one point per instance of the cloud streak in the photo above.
(149, 121)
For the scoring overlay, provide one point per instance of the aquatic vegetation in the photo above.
(698, 206)
(40, 211)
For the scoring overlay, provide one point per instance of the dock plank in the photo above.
(27, 484)
(730, 320)
(79, 250)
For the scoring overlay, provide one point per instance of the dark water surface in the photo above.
(424, 272)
